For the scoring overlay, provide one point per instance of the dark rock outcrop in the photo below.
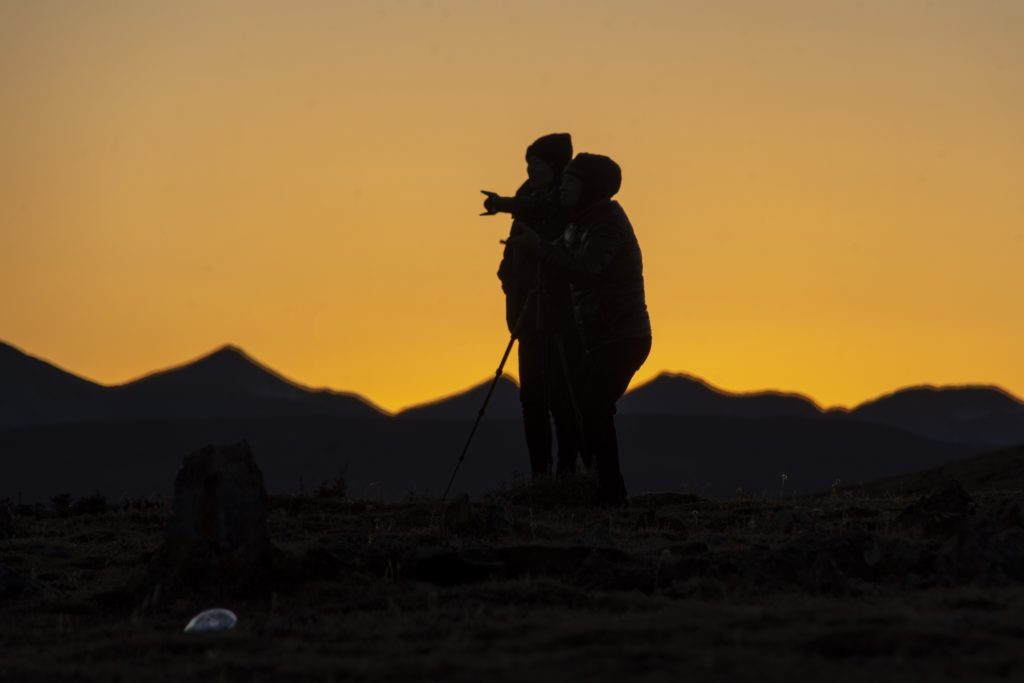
(217, 537)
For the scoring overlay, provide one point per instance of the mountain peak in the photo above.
(226, 369)
(683, 379)
(684, 394)
(229, 350)
(228, 353)
(229, 382)
(33, 391)
(679, 377)
(465, 404)
(949, 396)
(967, 413)
(17, 365)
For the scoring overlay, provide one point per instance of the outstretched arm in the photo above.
(523, 205)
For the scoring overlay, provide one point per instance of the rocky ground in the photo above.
(530, 583)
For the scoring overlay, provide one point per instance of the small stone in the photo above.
(215, 620)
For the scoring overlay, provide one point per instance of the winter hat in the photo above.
(601, 177)
(554, 149)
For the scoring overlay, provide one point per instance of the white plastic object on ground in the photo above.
(212, 621)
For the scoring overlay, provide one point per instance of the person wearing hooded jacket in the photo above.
(549, 346)
(600, 255)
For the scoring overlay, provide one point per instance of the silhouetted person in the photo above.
(600, 254)
(549, 346)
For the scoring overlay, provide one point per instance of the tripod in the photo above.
(535, 294)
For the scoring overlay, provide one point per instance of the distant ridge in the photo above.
(681, 394)
(229, 383)
(33, 391)
(971, 413)
(504, 403)
(226, 383)
(667, 394)
(225, 368)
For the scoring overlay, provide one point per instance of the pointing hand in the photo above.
(490, 204)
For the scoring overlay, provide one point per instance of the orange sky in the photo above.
(827, 194)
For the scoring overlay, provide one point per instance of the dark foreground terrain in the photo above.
(528, 584)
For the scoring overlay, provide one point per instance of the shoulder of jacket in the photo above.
(610, 215)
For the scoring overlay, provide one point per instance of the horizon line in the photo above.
(235, 348)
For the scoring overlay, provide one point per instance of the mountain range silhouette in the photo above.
(59, 431)
(223, 384)
(973, 414)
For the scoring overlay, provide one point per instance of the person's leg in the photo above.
(536, 422)
(609, 370)
(564, 389)
(598, 423)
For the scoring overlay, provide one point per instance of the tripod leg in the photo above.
(490, 390)
(479, 416)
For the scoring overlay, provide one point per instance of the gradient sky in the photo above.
(828, 193)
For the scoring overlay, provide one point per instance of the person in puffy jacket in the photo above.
(550, 352)
(600, 255)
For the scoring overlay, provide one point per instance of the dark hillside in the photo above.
(976, 414)
(34, 392)
(1001, 470)
(387, 458)
(228, 383)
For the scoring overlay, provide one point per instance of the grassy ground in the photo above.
(532, 584)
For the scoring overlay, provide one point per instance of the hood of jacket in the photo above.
(600, 176)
